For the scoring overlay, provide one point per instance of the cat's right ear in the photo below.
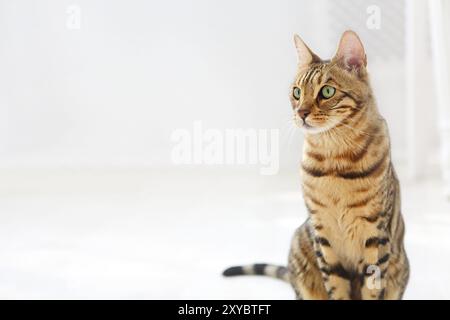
(304, 54)
(350, 53)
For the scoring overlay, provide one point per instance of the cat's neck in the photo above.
(349, 136)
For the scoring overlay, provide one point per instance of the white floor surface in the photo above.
(143, 234)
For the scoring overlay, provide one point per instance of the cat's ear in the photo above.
(350, 53)
(305, 55)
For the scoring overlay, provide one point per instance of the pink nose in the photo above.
(303, 113)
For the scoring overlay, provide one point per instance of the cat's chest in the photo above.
(337, 203)
(340, 224)
(334, 192)
(335, 181)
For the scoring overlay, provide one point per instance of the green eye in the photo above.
(327, 92)
(296, 93)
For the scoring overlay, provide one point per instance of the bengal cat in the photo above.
(351, 245)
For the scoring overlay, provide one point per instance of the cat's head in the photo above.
(328, 93)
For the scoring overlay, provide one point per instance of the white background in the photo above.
(112, 92)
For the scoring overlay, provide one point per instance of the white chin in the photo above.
(314, 130)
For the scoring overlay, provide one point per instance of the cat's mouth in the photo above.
(307, 126)
(304, 125)
(312, 129)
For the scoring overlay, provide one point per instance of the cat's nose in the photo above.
(303, 113)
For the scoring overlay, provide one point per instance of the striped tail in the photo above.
(261, 269)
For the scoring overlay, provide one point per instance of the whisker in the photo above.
(292, 129)
(288, 131)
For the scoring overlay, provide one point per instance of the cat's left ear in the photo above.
(350, 53)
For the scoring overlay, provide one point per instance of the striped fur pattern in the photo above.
(259, 269)
(351, 245)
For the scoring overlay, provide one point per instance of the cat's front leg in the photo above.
(336, 278)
